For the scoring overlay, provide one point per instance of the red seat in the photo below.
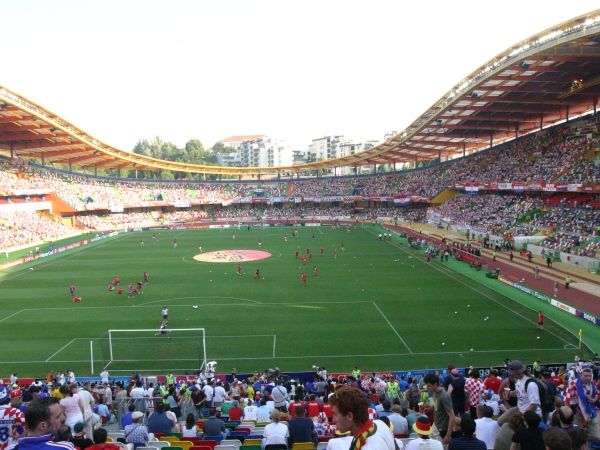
(400, 436)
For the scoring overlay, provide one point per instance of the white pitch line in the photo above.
(62, 348)
(458, 352)
(448, 274)
(392, 327)
(12, 315)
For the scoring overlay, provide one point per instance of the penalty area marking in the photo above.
(313, 357)
(392, 327)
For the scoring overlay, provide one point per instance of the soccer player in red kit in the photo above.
(239, 269)
(334, 253)
(140, 288)
(297, 252)
(540, 321)
(145, 278)
(174, 243)
(316, 271)
(322, 251)
(257, 274)
(304, 279)
(310, 255)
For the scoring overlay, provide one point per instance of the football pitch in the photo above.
(377, 305)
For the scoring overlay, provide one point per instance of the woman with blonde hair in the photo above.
(275, 433)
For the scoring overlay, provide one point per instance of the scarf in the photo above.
(368, 429)
(587, 410)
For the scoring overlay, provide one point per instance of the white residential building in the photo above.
(257, 151)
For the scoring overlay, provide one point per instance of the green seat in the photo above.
(249, 447)
(175, 434)
(176, 448)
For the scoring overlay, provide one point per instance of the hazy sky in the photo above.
(296, 70)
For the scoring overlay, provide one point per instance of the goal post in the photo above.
(174, 346)
(177, 349)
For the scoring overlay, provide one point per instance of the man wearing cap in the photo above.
(582, 396)
(422, 427)
(136, 433)
(443, 413)
(528, 394)
(351, 413)
(79, 440)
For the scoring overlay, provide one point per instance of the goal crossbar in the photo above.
(169, 331)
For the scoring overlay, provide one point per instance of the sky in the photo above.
(125, 70)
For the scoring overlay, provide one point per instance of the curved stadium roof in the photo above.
(550, 77)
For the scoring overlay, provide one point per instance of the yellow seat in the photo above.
(109, 439)
(183, 444)
(303, 446)
(262, 424)
(252, 441)
(169, 439)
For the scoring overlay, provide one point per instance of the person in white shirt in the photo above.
(275, 433)
(220, 395)
(104, 376)
(210, 392)
(250, 411)
(71, 377)
(424, 442)
(138, 391)
(486, 428)
(528, 394)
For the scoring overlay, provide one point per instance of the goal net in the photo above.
(178, 349)
(151, 349)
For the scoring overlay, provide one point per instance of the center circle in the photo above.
(232, 256)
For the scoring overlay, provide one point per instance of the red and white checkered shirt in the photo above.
(10, 420)
(475, 388)
(571, 397)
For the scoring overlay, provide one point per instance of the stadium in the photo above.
(485, 224)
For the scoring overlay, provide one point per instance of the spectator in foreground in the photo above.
(351, 413)
(159, 421)
(100, 438)
(44, 416)
(467, 441)
(557, 439)
(530, 437)
(215, 427)
(79, 437)
(136, 433)
(275, 433)
(422, 427)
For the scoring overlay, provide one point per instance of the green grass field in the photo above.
(378, 305)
